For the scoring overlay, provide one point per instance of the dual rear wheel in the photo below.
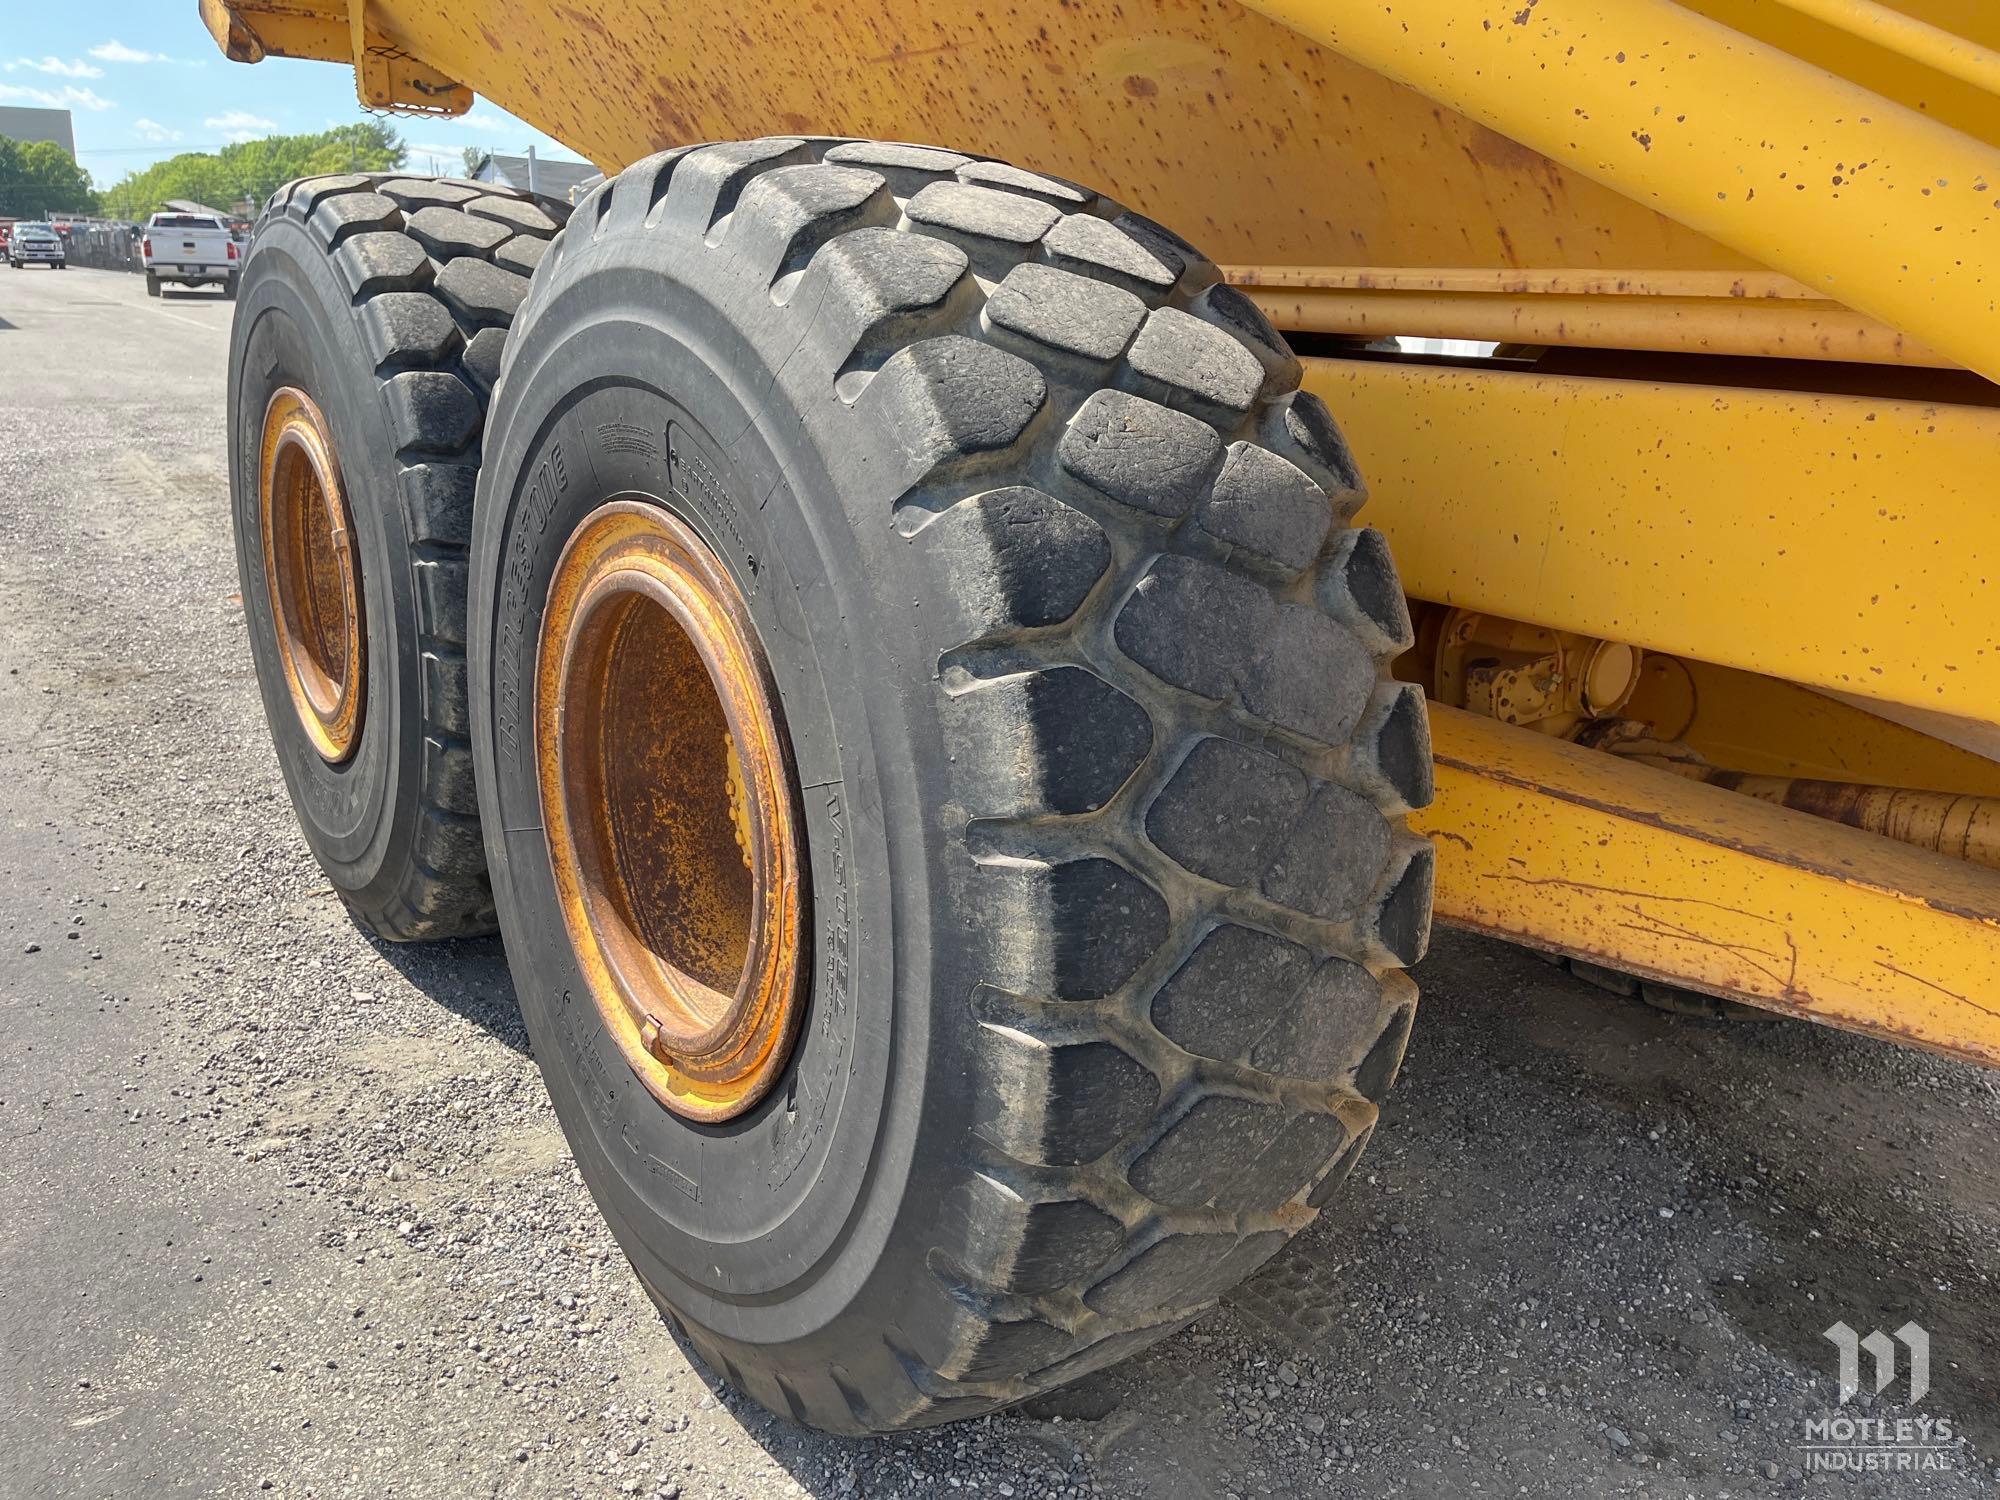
(940, 781)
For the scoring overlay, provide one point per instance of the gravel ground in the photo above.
(286, 1210)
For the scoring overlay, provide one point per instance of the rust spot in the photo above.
(673, 127)
(1140, 87)
(585, 20)
(312, 574)
(670, 805)
(1490, 150)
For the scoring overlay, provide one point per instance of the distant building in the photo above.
(553, 179)
(38, 125)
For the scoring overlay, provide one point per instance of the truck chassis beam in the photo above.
(1544, 843)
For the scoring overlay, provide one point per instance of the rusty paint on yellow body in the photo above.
(1253, 135)
(1249, 132)
(1645, 871)
(1768, 726)
(1844, 542)
(1966, 828)
(1765, 328)
(1255, 143)
(1886, 207)
(1728, 177)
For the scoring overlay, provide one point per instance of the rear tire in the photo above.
(1670, 998)
(152, 285)
(386, 300)
(229, 287)
(1102, 768)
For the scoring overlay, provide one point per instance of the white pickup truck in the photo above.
(190, 249)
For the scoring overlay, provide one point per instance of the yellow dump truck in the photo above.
(871, 612)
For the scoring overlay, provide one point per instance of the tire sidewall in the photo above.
(294, 326)
(781, 1226)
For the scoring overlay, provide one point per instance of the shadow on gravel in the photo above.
(1854, 1175)
(467, 977)
(1592, 1250)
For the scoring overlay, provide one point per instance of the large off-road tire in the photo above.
(1101, 771)
(385, 300)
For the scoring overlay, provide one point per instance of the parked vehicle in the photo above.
(892, 656)
(189, 250)
(36, 244)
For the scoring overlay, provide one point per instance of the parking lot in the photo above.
(284, 1209)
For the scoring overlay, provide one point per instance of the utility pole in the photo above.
(533, 185)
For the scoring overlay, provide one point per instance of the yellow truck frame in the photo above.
(1735, 453)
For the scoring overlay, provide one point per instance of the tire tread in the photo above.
(1189, 502)
(431, 265)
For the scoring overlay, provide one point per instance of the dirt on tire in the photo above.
(1089, 683)
(387, 298)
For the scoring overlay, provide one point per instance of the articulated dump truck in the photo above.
(870, 604)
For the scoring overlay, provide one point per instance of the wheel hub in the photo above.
(670, 808)
(312, 573)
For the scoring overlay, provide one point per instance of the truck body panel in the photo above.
(1738, 260)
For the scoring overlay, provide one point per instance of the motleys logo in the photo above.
(1883, 1353)
(1842, 1443)
(1879, 1431)
(1869, 1445)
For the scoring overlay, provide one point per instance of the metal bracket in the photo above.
(386, 77)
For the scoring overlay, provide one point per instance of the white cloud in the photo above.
(57, 66)
(117, 52)
(482, 119)
(68, 97)
(154, 131)
(242, 125)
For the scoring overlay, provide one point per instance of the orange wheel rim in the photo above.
(670, 807)
(312, 573)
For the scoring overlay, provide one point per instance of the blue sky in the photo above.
(143, 80)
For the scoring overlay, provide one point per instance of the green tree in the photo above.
(39, 177)
(253, 170)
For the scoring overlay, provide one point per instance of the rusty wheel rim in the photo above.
(670, 808)
(312, 573)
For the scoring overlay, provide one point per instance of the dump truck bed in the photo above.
(1739, 260)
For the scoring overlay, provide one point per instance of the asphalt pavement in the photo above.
(285, 1210)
